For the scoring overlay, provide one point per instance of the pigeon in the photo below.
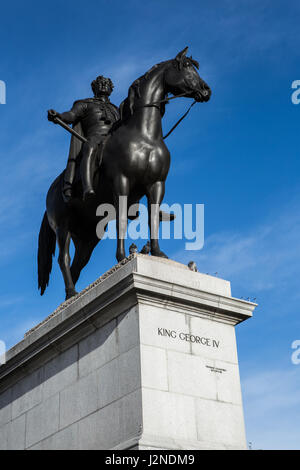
(192, 266)
(133, 249)
(146, 249)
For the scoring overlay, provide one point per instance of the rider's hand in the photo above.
(52, 115)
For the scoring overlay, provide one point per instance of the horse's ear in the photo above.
(181, 54)
(194, 62)
(180, 57)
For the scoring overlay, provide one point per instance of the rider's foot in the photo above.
(67, 194)
(88, 195)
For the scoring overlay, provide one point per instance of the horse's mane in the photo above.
(134, 89)
(134, 92)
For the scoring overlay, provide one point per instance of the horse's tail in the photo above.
(46, 250)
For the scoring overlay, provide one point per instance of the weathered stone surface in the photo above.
(16, 434)
(179, 274)
(228, 383)
(4, 430)
(157, 375)
(27, 393)
(42, 421)
(128, 330)
(5, 406)
(169, 414)
(60, 372)
(143, 358)
(79, 400)
(97, 349)
(67, 439)
(100, 430)
(131, 417)
(221, 423)
(154, 319)
(188, 375)
(224, 333)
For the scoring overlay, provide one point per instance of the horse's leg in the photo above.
(155, 195)
(63, 239)
(83, 251)
(121, 192)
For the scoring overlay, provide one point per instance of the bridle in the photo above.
(157, 104)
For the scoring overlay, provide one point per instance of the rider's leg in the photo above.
(69, 178)
(89, 150)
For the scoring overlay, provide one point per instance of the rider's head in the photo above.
(102, 86)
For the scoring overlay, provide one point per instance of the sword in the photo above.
(56, 120)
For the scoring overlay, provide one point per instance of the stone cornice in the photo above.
(138, 279)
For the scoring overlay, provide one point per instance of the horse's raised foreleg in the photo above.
(83, 251)
(63, 239)
(121, 192)
(155, 195)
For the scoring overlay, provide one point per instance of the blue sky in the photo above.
(237, 154)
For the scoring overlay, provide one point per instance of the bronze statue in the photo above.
(92, 118)
(135, 162)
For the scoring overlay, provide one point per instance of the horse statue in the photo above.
(135, 163)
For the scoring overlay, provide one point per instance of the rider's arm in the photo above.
(74, 114)
(69, 117)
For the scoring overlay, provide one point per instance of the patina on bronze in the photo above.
(135, 163)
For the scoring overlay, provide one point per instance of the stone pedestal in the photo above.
(144, 358)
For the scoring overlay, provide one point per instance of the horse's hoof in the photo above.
(70, 293)
(160, 254)
(120, 257)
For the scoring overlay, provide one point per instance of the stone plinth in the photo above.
(144, 358)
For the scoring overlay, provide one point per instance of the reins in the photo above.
(179, 120)
(166, 100)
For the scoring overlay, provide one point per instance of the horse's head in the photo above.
(182, 77)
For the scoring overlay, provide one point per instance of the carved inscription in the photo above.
(190, 338)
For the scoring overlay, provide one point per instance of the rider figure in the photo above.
(92, 118)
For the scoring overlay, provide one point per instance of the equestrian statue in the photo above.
(114, 153)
